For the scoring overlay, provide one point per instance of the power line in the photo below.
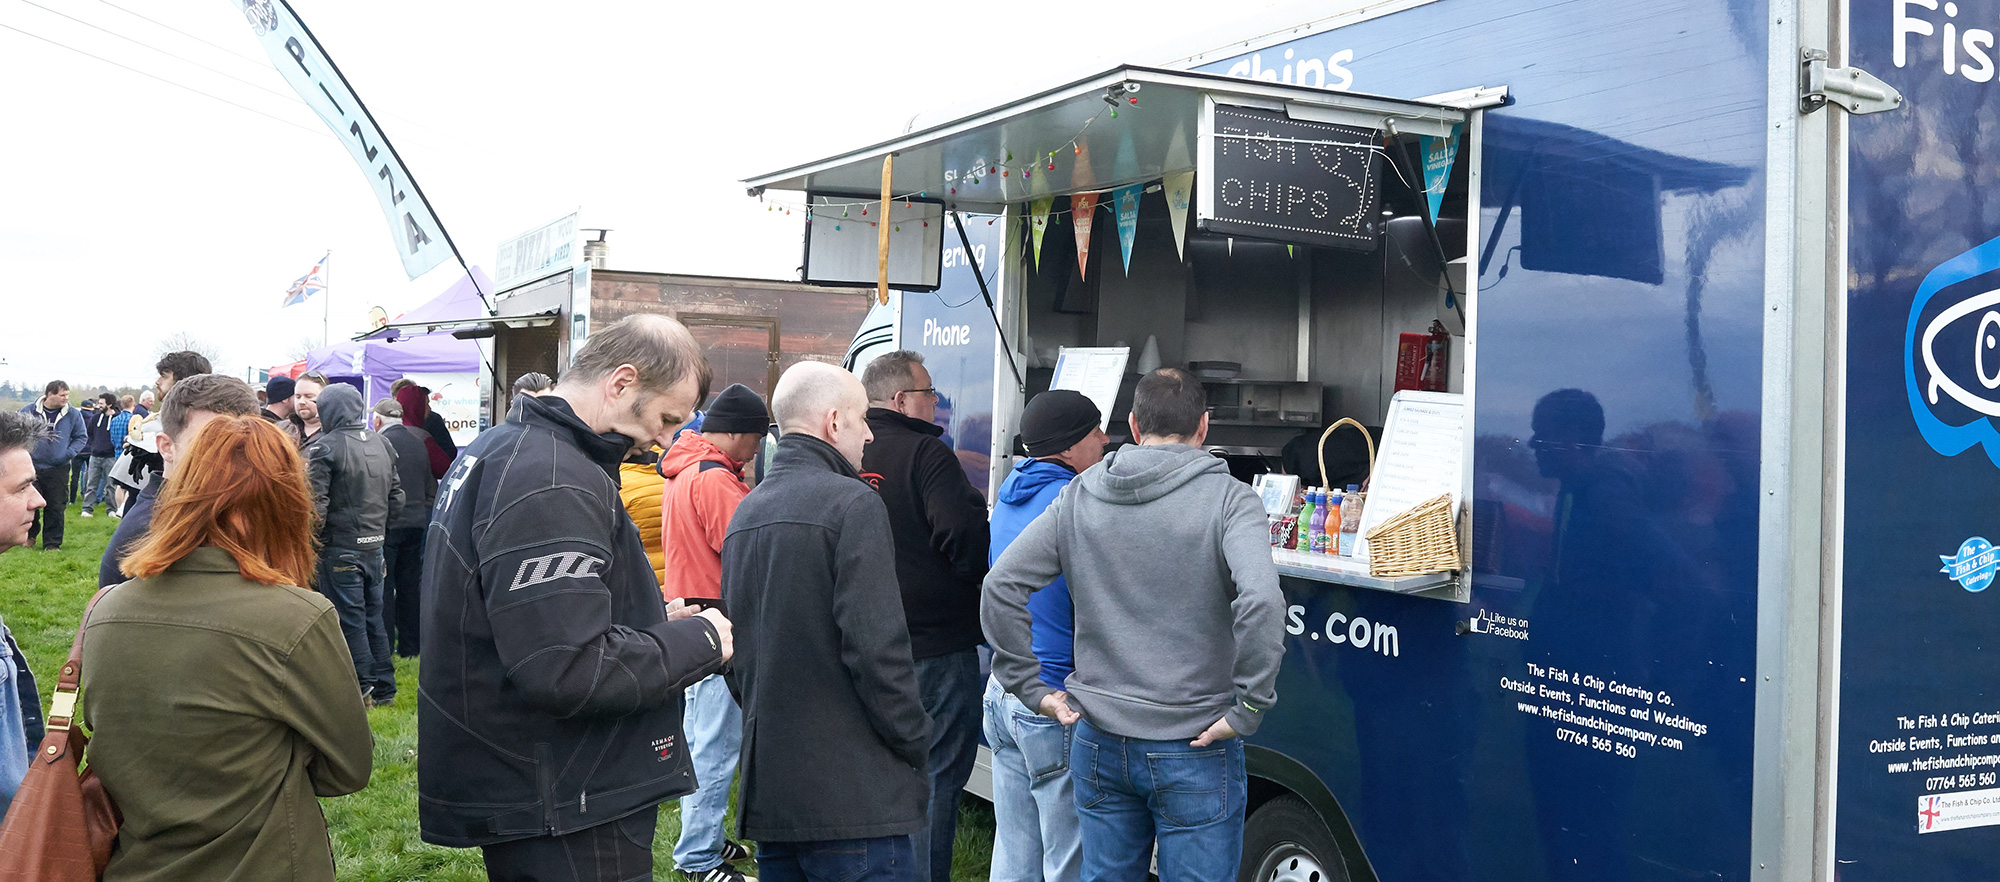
(256, 61)
(177, 85)
(261, 63)
(142, 43)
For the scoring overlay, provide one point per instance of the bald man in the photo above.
(835, 738)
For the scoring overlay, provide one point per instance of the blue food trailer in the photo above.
(1718, 281)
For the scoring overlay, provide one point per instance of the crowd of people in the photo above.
(610, 613)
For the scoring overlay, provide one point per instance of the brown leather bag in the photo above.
(62, 825)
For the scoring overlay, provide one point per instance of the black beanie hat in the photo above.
(1056, 420)
(279, 389)
(737, 410)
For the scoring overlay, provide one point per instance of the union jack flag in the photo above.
(309, 284)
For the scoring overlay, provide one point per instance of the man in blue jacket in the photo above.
(1034, 811)
(52, 457)
(20, 703)
(1178, 639)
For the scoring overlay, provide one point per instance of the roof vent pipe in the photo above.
(596, 251)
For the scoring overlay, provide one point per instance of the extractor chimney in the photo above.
(596, 250)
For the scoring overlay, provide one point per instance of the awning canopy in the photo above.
(962, 161)
(467, 328)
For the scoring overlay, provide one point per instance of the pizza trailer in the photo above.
(1707, 345)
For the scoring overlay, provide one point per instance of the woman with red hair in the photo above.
(217, 686)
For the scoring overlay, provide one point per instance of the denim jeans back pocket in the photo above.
(1190, 789)
(1083, 767)
(1044, 743)
(840, 860)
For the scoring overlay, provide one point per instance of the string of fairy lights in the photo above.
(1043, 160)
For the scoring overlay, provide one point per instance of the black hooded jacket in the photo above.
(549, 699)
(356, 491)
(939, 522)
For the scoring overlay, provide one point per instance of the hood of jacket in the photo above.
(607, 450)
(690, 450)
(339, 407)
(416, 405)
(1136, 474)
(1030, 477)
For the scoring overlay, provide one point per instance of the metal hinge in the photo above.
(1848, 88)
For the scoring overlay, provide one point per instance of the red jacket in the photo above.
(703, 489)
(416, 408)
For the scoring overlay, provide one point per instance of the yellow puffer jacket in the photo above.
(640, 487)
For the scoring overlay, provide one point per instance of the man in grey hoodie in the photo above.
(1178, 636)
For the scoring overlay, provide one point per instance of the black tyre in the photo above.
(1285, 841)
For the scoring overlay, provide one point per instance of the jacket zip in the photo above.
(543, 759)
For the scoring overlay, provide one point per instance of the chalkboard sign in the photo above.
(1269, 176)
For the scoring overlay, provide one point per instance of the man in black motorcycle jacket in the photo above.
(549, 700)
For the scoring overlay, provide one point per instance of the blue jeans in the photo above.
(352, 579)
(882, 859)
(1034, 811)
(949, 687)
(96, 477)
(713, 725)
(1131, 792)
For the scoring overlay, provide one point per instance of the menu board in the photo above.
(1422, 455)
(1095, 371)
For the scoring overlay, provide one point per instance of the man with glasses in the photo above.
(938, 521)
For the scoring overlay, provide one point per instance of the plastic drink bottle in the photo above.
(1320, 523)
(1333, 518)
(1350, 519)
(1312, 519)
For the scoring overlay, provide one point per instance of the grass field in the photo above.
(375, 831)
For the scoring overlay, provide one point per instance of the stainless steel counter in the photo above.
(1343, 571)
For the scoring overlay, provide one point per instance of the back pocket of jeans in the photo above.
(1083, 759)
(839, 861)
(1044, 744)
(1189, 789)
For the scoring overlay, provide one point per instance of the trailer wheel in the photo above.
(1285, 841)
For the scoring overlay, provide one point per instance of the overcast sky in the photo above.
(133, 208)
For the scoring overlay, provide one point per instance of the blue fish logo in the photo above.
(1921, 345)
(1973, 566)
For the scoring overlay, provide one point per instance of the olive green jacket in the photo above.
(218, 708)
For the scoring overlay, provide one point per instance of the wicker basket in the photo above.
(1344, 421)
(1419, 541)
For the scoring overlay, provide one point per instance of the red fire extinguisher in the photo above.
(1423, 361)
(1437, 358)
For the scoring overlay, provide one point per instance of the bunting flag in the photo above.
(1040, 224)
(1082, 211)
(1126, 201)
(313, 282)
(1179, 188)
(1438, 156)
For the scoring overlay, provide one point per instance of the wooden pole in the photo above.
(882, 236)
